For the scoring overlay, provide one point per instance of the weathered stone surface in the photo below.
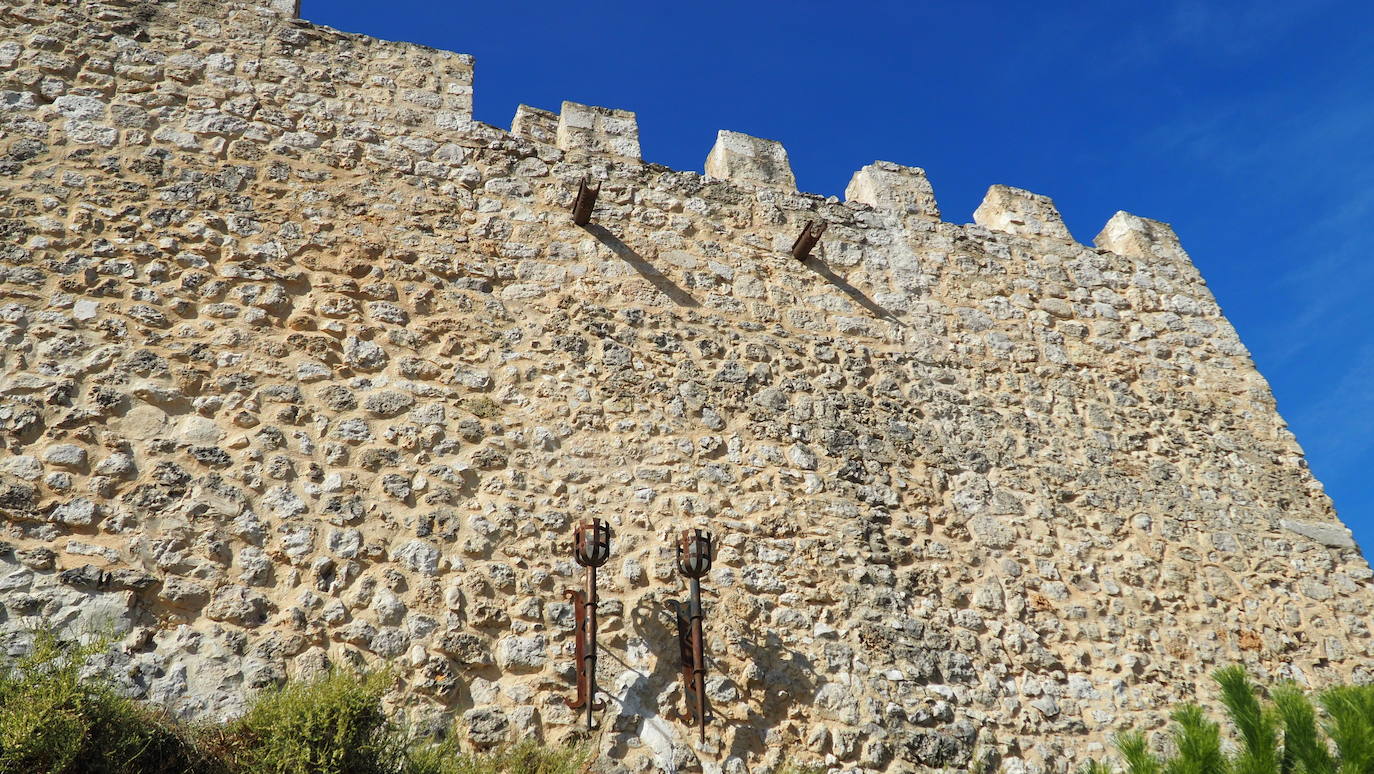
(487, 726)
(521, 654)
(1139, 237)
(592, 129)
(750, 161)
(65, 455)
(1334, 535)
(889, 186)
(535, 125)
(302, 368)
(237, 605)
(388, 403)
(419, 556)
(1020, 212)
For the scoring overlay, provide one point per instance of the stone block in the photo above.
(888, 186)
(535, 125)
(289, 8)
(1137, 237)
(1015, 211)
(1331, 535)
(598, 130)
(750, 161)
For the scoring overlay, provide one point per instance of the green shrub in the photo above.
(52, 721)
(1281, 738)
(528, 757)
(331, 725)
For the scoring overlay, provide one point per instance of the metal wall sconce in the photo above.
(585, 201)
(591, 549)
(801, 249)
(695, 549)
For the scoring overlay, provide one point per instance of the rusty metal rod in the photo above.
(698, 658)
(579, 646)
(585, 202)
(589, 666)
(810, 235)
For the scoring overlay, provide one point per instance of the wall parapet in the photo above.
(598, 130)
(748, 160)
(1018, 211)
(890, 186)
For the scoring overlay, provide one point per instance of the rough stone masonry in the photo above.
(303, 368)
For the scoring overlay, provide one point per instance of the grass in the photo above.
(55, 721)
(528, 757)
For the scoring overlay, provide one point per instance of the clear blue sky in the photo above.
(1247, 125)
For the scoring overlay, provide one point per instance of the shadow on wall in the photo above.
(646, 270)
(643, 687)
(877, 310)
(650, 703)
(788, 679)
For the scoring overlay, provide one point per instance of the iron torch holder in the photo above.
(695, 550)
(591, 549)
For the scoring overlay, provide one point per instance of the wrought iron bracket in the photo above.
(695, 550)
(585, 652)
(591, 548)
(585, 202)
(692, 648)
(810, 235)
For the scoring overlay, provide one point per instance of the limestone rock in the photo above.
(1333, 535)
(303, 367)
(889, 186)
(750, 161)
(600, 130)
(1020, 212)
(486, 726)
(521, 654)
(535, 125)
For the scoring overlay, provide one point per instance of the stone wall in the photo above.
(302, 367)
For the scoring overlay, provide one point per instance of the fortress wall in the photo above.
(303, 367)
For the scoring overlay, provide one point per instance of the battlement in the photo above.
(755, 162)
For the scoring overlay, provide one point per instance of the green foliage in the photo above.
(1136, 752)
(1258, 729)
(1281, 738)
(528, 757)
(331, 725)
(1304, 749)
(52, 721)
(1198, 744)
(1350, 709)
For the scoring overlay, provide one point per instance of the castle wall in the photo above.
(303, 367)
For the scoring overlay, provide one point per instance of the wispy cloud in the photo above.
(1210, 29)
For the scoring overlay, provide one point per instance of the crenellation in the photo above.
(1127, 234)
(750, 161)
(289, 8)
(889, 186)
(598, 130)
(535, 125)
(1020, 212)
